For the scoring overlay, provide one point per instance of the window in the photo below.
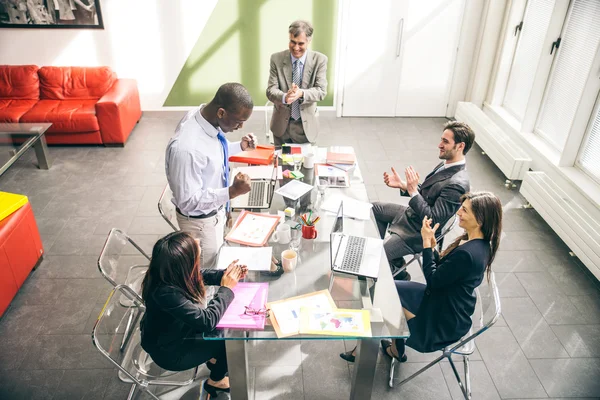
(572, 67)
(536, 22)
(589, 157)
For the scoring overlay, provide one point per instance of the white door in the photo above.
(371, 66)
(429, 46)
(400, 55)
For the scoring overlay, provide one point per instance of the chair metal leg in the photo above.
(465, 391)
(467, 377)
(392, 367)
(425, 368)
(132, 391)
(403, 268)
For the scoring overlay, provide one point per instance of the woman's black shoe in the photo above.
(213, 390)
(348, 356)
(386, 344)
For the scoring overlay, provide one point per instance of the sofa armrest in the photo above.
(118, 111)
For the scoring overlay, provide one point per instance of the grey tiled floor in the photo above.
(547, 345)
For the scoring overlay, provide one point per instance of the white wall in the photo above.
(147, 40)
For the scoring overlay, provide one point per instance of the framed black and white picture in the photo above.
(51, 14)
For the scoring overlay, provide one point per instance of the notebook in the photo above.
(252, 229)
(341, 155)
(253, 295)
(338, 322)
(10, 202)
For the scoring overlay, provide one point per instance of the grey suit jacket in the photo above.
(314, 85)
(438, 198)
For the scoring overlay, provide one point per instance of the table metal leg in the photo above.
(364, 369)
(237, 363)
(41, 152)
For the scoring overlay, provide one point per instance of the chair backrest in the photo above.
(166, 208)
(134, 364)
(122, 261)
(487, 311)
(447, 228)
(268, 133)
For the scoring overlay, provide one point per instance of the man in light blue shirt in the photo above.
(197, 166)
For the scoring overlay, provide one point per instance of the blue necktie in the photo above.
(223, 141)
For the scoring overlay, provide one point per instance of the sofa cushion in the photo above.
(13, 110)
(19, 82)
(62, 83)
(67, 116)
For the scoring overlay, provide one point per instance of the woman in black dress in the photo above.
(177, 314)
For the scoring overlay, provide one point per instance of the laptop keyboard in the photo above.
(257, 193)
(354, 254)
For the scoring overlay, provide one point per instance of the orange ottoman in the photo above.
(20, 250)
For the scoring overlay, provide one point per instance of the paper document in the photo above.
(328, 175)
(285, 314)
(257, 172)
(339, 322)
(352, 208)
(252, 229)
(294, 190)
(255, 258)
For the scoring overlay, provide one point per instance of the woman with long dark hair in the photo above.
(177, 313)
(439, 313)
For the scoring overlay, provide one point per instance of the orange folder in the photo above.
(262, 155)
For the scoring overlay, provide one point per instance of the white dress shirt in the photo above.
(302, 61)
(194, 166)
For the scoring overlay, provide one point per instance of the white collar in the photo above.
(454, 164)
(205, 125)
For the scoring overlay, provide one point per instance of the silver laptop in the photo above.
(260, 194)
(354, 255)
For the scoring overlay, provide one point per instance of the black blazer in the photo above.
(438, 198)
(171, 317)
(444, 315)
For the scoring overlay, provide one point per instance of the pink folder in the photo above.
(253, 295)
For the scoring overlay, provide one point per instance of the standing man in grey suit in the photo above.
(438, 197)
(297, 81)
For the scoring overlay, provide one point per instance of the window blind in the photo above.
(589, 157)
(572, 66)
(527, 56)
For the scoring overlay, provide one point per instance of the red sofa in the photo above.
(86, 105)
(20, 250)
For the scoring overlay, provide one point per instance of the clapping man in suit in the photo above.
(438, 197)
(297, 81)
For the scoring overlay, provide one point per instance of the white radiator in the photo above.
(576, 227)
(512, 160)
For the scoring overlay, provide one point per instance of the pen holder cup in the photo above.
(309, 232)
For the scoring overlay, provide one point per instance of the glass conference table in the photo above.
(17, 138)
(313, 273)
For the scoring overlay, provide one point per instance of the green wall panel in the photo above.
(237, 42)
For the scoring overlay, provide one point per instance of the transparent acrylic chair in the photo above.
(122, 261)
(110, 336)
(166, 208)
(450, 225)
(487, 312)
(268, 133)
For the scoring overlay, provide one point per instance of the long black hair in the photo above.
(175, 262)
(487, 209)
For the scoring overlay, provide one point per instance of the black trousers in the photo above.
(192, 352)
(395, 248)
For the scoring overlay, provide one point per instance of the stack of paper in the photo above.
(341, 155)
(328, 175)
(352, 208)
(255, 258)
(339, 322)
(247, 294)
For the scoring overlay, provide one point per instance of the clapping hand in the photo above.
(233, 274)
(394, 180)
(428, 233)
(293, 94)
(412, 180)
(248, 142)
